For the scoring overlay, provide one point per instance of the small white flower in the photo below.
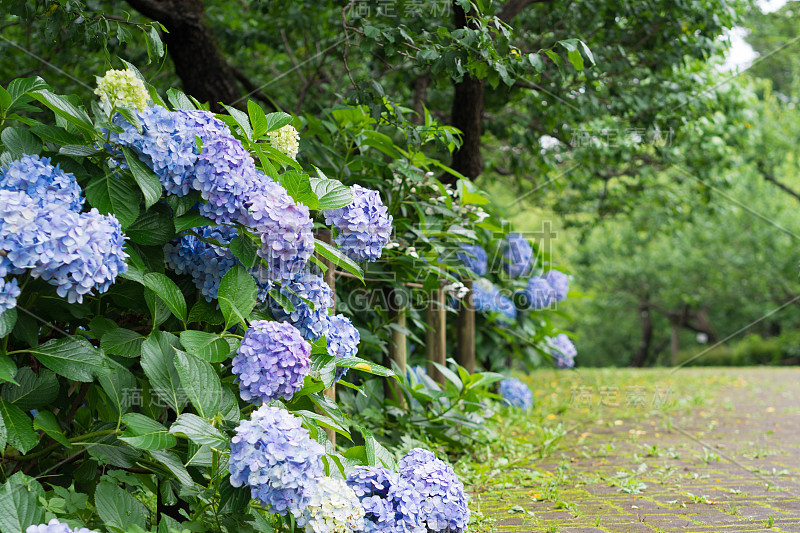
(413, 189)
(429, 211)
(412, 252)
(286, 140)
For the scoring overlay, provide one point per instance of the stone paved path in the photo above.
(724, 460)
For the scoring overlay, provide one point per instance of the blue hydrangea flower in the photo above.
(363, 227)
(391, 503)
(272, 362)
(199, 257)
(474, 258)
(417, 371)
(9, 292)
(560, 284)
(343, 339)
(516, 394)
(274, 455)
(538, 294)
(444, 503)
(285, 229)
(166, 144)
(54, 526)
(487, 298)
(44, 183)
(517, 253)
(312, 323)
(24, 229)
(333, 508)
(562, 350)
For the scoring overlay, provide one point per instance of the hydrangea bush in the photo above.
(515, 393)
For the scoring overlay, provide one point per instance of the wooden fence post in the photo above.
(466, 331)
(398, 350)
(330, 279)
(435, 338)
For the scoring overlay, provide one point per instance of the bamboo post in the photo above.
(330, 278)
(399, 348)
(436, 341)
(466, 331)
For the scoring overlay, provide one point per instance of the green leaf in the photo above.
(7, 370)
(179, 100)
(588, 52)
(241, 119)
(117, 507)
(245, 250)
(237, 296)
(72, 357)
(145, 433)
(158, 363)
(338, 258)
(65, 109)
(7, 321)
(19, 427)
(200, 383)
(277, 120)
(121, 388)
(123, 342)
(117, 195)
(47, 422)
(55, 135)
(192, 220)
(203, 311)
(282, 300)
(258, 119)
(146, 178)
(332, 194)
(298, 186)
(154, 227)
(207, 346)
(267, 150)
(199, 431)
(33, 391)
(365, 366)
(576, 59)
(154, 40)
(174, 465)
(80, 150)
(19, 504)
(376, 454)
(19, 142)
(168, 291)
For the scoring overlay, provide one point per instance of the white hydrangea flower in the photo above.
(286, 139)
(121, 89)
(412, 251)
(334, 508)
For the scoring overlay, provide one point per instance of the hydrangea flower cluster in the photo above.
(285, 229)
(474, 258)
(334, 508)
(343, 339)
(9, 292)
(487, 298)
(54, 526)
(363, 227)
(206, 262)
(562, 350)
(286, 140)
(560, 284)
(42, 229)
(274, 455)
(312, 323)
(121, 89)
(444, 503)
(538, 294)
(516, 394)
(271, 362)
(517, 253)
(391, 503)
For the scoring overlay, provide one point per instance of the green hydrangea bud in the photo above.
(121, 88)
(286, 140)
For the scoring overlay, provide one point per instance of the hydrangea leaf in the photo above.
(298, 185)
(199, 431)
(200, 383)
(158, 355)
(338, 258)
(72, 357)
(115, 194)
(47, 422)
(19, 427)
(117, 507)
(121, 341)
(207, 346)
(168, 291)
(32, 390)
(145, 433)
(19, 503)
(238, 294)
(146, 178)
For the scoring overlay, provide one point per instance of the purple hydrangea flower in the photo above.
(517, 253)
(45, 183)
(560, 284)
(199, 257)
(538, 294)
(285, 229)
(444, 503)
(562, 350)
(312, 323)
(363, 227)
(274, 455)
(487, 298)
(343, 339)
(516, 394)
(272, 362)
(54, 526)
(391, 503)
(474, 258)
(9, 292)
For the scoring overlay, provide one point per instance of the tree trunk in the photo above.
(467, 115)
(675, 343)
(640, 357)
(191, 45)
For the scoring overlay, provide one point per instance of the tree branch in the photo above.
(512, 8)
(785, 188)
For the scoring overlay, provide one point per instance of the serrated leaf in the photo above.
(32, 391)
(237, 296)
(192, 220)
(154, 227)
(377, 454)
(179, 100)
(174, 465)
(207, 346)
(65, 109)
(19, 504)
(245, 250)
(19, 142)
(117, 195)
(7, 370)
(277, 120)
(241, 119)
(121, 388)
(123, 342)
(7, 321)
(200, 383)
(145, 433)
(145, 177)
(158, 363)
(117, 507)
(257, 118)
(80, 150)
(298, 185)
(199, 431)
(168, 291)
(47, 422)
(338, 258)
(282, 300)
(332, 194)
(19, 427)
(72, 357)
